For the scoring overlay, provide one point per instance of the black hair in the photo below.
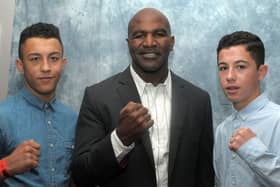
(252, 43)
(41, 30)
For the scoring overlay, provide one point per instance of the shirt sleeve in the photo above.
(216, 152)
(119, 148)
(262, 161)
(3, 144)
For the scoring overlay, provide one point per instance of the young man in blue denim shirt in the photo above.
(246, 151)
(36, 130)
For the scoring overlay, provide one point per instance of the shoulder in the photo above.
(105, 84)
(65, 108)
(270, 111)
(224, 126)
(8, 108)
(189, 87)
(8, 105)
(273, 107)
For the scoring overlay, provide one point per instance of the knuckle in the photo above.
(137, 121)
(237, 138)
(133, 115)
(35, 164)
(145, 110)
(26, 148)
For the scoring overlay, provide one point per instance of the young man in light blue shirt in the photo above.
(246, 151)
(36, 130)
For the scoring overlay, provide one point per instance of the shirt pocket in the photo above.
(68, 151)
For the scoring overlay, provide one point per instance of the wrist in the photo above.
(4, 170)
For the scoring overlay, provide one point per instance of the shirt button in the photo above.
(51, 145)
(53, 169)
(49, 122)
(233, 182)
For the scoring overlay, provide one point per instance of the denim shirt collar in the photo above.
(35, 101)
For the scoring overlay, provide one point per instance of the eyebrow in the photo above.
(55, 53)
(221, 63)
(52, 53)
(38, 54)
(144, 31)
(241, 61)
(235, 62)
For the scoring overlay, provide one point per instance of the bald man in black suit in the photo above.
(145, 127)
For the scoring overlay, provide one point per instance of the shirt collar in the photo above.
(35, 101)
(141, 84)
(257, 104)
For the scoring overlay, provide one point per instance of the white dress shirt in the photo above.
(157, 99)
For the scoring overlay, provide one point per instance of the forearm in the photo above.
(120, 150)
(4, 170)
(263, 162)
(95, 165)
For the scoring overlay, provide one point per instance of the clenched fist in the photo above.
(134, 120)
(24, 157)
(240, 137)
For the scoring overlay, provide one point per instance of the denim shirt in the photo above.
(52, 125)
(257, 162)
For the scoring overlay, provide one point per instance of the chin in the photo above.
(233, 99)
(151, 70)
(152, 67)
(46, 91)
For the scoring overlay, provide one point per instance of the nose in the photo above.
(231, 76)
(149, 41)
(45, 65)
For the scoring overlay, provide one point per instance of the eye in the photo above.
(54, 58)
(34, 58)
(222, 68)
(160, 34)
(241, 66)
(138, 36)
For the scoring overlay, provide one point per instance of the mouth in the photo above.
(149, 54)
(232, 89)
(45, 79)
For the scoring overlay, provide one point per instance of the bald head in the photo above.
(148, 13)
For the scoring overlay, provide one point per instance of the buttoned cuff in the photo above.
(119, 148)
(252, 149)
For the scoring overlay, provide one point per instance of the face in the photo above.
(41, 66)
(239, 76)
(149, 42)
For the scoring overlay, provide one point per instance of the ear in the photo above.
(262, 71)
(64, 61)
(172, 42)
(19, 65)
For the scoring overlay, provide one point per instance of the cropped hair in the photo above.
(38, 30)
(252, 43)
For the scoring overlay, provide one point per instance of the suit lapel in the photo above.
(127, 89)
(178, 109)
(128, 92)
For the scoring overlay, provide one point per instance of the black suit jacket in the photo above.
(191, 138)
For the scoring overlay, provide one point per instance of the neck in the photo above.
(46, 97)
(240, 105)
(154, 77)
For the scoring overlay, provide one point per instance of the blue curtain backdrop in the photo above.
(94, 34)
